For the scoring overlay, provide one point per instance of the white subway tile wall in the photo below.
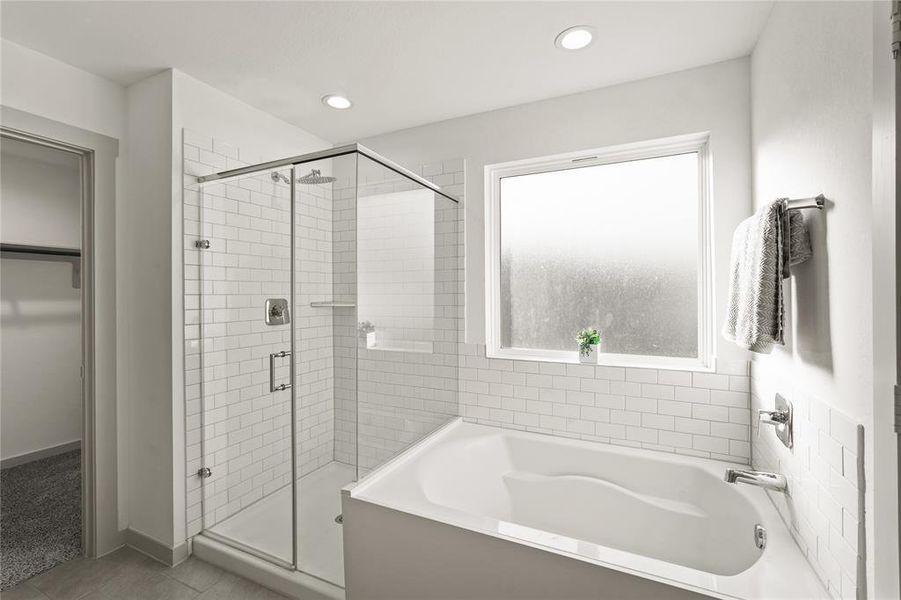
(692, 413)
(396, 265)
(824, 503)
(410, 276)
(403, 395)
(315, 346)
(344, 268)
(246, 430)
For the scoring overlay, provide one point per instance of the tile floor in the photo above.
(129, 575)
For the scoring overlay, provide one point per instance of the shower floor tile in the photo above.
(265, 526)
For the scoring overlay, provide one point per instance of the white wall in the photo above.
(886, 505)
(44, 86)
(41, 356)
(146, 311)
(41, 196)
(41, 399)
(812, 96)
(714, 98)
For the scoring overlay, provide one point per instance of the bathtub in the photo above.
(487, 513)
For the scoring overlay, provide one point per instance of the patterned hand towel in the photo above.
(795, 240)
(763, 247)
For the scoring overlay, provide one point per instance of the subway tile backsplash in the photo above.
(823, 507)
(692, 413)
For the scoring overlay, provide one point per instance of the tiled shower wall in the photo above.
(402, 395)
(396, 266)
(410, 288)
(246, 429)
(692, 413)
(314, 345)
(824, 468)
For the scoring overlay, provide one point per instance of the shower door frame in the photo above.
(292, 332)
(326, 154)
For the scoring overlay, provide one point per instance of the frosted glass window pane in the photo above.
(608, 246)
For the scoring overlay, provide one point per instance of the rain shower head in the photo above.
(315, 177)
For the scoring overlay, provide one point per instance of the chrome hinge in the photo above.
(204, 472)
(202, 244)
(896, 28)
(898, 409)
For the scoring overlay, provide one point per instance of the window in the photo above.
(616, 239)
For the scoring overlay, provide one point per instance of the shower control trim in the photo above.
(277, 312)
(272, 386)
(781, 419)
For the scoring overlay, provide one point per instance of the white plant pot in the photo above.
(591, 358)
(370, 339)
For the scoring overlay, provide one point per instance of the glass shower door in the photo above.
(325, 363)
(246, 390)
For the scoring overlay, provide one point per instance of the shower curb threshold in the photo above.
(295, 584)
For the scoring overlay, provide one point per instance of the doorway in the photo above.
(43, 203)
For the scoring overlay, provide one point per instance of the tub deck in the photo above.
(483, 512)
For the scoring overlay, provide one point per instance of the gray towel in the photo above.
(764, 246)
(795, 239)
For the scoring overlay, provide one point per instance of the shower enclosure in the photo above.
(323, 310)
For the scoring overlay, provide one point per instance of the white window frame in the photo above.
(683, 144)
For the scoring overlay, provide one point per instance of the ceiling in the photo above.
(402, 63)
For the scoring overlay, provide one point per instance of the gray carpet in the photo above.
(40, 516)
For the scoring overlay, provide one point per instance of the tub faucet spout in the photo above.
(769, 481)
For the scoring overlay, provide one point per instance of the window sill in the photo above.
(605, 360)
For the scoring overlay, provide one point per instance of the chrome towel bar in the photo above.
(818, 202)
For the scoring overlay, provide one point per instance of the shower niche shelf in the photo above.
(331, 304)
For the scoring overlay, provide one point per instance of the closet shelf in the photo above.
(331, 304)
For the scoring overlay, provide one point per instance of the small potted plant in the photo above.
(588, 339)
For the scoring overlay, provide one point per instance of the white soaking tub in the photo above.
(487, 513)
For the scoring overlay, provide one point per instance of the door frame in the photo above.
(99, 481)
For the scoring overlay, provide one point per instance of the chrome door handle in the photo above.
(282, 386)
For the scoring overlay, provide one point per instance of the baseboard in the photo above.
(156, 549)
(21, 459)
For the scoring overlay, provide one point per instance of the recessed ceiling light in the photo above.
(336, 101)
(575, 38)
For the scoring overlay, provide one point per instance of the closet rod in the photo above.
(40, 250)
(45, 253)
